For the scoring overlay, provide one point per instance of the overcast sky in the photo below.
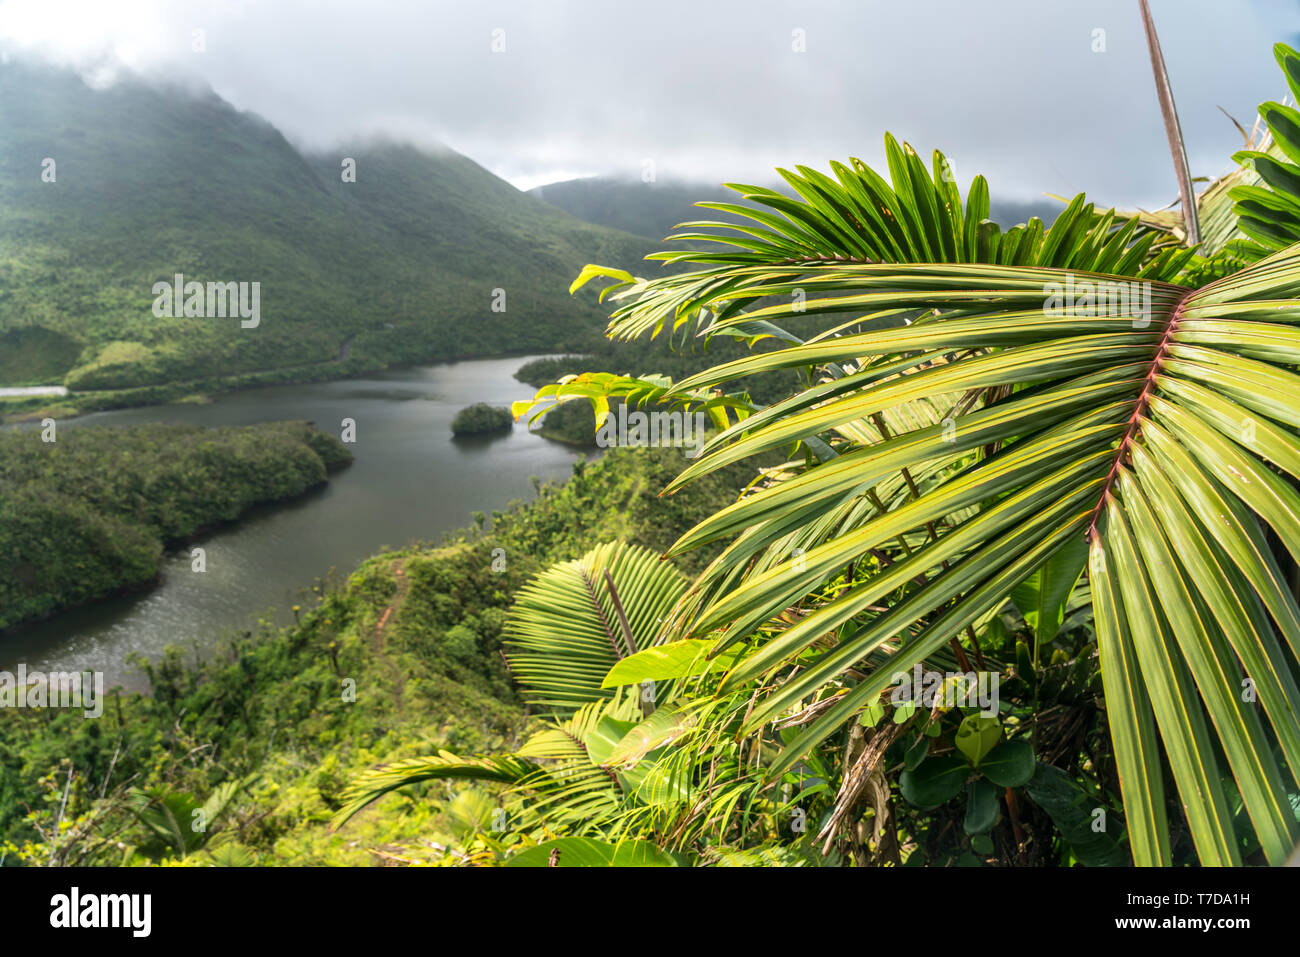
(714, 89)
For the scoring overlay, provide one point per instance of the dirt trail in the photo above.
(403, 586)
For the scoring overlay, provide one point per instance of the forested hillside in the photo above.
(105, 192)
(89, 514)
(268, 735)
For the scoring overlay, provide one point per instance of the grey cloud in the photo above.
(714, 90)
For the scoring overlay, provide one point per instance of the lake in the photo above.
(411, 481)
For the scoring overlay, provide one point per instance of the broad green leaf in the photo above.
(937, 781)
(1091, 835)
(1042, 596)
(981, 807)
(976, 736)
(1010, 764)
(916, 753)
(656, 731)
(602, 741)
(588, 852)
(678, 659)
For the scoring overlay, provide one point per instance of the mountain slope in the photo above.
(148, 182)
(653, 209)
(644, 209)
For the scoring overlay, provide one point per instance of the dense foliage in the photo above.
(480, 418)
(90, 512)
(991, 559)
(1059, 465)
(417, 632)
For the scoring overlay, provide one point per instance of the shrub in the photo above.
(481, 418)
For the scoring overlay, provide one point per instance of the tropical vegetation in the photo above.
(88, 511)
(1063, 457)
(990, 558)
(401, 655)
(481, 417)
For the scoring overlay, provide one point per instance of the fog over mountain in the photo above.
(1062, 99)
(105, 192)
(653, 209)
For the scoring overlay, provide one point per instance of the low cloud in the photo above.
(544, 91)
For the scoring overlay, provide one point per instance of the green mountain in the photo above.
(633, 206)
(402, 265)
(653, 209)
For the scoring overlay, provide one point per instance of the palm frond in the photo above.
(374, 783)
(858, 217)
(1159, 432)
(572, 623)
(1268, 209)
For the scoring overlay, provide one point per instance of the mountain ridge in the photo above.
(406, 263)
(653, 209)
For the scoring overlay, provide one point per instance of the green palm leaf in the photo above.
(374, 783)
(858, 217)
(1128, 426)
(576, 620)
(568, 627)
(1266, 201)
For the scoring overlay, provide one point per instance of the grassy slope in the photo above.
(400, 265)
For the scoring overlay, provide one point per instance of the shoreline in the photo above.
(170, 393)
(171, 546)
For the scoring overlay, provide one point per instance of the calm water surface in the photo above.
(411, 481)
